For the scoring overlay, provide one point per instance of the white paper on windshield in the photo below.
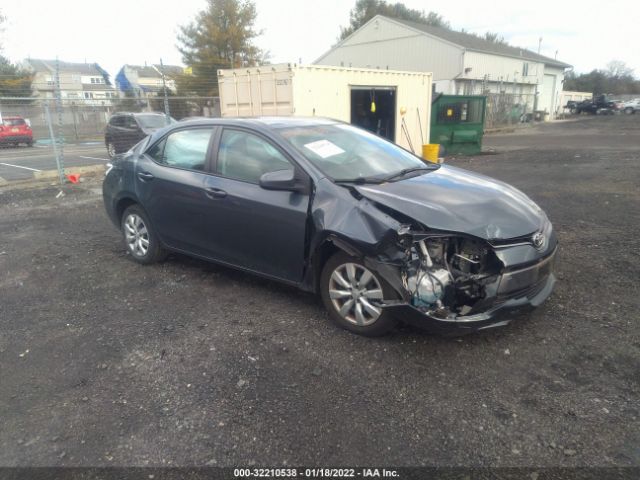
(324, 148)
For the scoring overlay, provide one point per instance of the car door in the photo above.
(131, 134)
(249, 226)
(170, 181)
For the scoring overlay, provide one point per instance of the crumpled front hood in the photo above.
(454, 199)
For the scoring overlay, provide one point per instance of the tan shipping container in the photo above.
(402, 100)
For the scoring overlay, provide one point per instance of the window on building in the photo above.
(525, 69)
(88, 95)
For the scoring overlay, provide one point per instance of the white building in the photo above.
(461, 63)
(85, 83)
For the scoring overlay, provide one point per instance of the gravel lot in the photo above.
(105, 362)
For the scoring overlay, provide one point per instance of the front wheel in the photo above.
(139, 236)
(353, 294)
(628, 110)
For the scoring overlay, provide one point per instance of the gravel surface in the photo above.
(105, 362)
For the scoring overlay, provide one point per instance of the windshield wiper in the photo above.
(360, 180)
(405, 171)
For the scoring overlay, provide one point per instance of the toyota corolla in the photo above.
(380, 235)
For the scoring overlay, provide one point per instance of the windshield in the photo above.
(345, 153)
(13, 122)
(154, 121)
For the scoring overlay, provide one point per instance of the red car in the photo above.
(15, 130)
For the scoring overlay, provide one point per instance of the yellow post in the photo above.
(430, 152)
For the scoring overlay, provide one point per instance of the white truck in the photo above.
(632, 106)
(393, 104)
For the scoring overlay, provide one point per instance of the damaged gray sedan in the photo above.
(379, 234)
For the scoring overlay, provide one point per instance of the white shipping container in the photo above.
(402, 99)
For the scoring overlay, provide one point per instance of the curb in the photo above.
(46, 176)
(84, 170)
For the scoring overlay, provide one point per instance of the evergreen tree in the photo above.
(221, 36)
(14, 80)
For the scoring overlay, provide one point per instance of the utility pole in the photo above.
(164, 87)
(536, 93)
(59, 141)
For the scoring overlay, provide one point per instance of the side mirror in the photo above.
(284, 180)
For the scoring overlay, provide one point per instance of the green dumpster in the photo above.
(457, 123)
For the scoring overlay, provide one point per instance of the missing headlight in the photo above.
(448, 273)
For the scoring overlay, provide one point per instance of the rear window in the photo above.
(154, 121)
(117, 121)
(13, 122)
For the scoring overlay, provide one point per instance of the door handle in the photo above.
(215, 192)
(145, 176)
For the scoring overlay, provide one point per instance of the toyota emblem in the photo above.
(538, 240)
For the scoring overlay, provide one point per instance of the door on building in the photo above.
(374, 109)
(548, 93)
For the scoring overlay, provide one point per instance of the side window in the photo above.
(183, 149)
(245, 156)
(117, 121)
(130, 122)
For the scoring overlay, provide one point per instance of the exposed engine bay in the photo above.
(447, 275)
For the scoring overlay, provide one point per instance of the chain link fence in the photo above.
(504, 109)
(81, 120)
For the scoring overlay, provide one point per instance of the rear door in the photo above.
(170, 181)
(130, 134)
(248, 226)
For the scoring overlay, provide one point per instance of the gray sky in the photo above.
(586, 35)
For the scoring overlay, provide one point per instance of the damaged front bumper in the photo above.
(518, 292)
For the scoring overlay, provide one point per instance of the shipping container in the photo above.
(392, 104)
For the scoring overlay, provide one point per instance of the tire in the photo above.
(30, 144)
(111, 149)
(629, 110)
(139, 237)
(364, 316)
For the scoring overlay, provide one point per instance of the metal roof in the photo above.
(471, 42)
(153, 71)
(49, 66)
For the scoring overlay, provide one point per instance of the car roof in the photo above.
(115, 114)
(257, 123)
(270, 122)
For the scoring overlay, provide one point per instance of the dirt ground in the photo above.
(105, 362)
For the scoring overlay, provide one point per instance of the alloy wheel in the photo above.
(136, 235)
(111, 149)
(356, 294)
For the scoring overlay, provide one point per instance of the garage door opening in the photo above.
(373, 108)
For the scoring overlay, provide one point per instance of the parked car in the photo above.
(632, 106)
(378, 233)
(599, 105)
(125, 129)
(15, 130)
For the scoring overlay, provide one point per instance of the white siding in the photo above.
(385, 44)
(325, 91)
(501, 69)
(565, 96)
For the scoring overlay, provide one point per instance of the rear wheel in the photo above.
(139, 236)
(353, 294)
(628, 110)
